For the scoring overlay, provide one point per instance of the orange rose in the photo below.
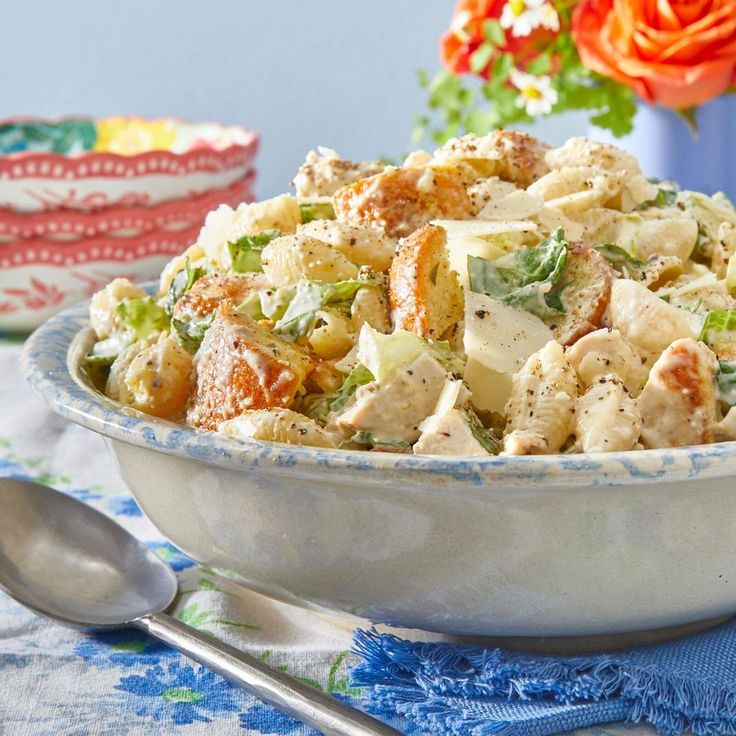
(465, 35)
(676, 53)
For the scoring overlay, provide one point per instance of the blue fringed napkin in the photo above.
(442, 688)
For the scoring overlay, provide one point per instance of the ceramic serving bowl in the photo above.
(501, 546)
(199, 158)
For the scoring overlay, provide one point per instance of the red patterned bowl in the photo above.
(119, 222)
(38, 277)
(206, 157)
(71, 223)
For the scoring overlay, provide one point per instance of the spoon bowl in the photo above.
(67, 561)
(45, 535)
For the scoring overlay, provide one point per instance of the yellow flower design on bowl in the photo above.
(131, 136)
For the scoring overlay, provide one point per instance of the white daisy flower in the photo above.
(537, 95)
(459, 24)
(523, 16)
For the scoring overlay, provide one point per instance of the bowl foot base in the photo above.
(575, 645)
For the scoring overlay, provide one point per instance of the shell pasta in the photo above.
(494, 296)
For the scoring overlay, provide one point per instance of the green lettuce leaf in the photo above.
(726, 381)
(368, 439)
(181, 284)
(252, 307)
(143, 316)
(245, 253)
(384, 354)
(316, 211)
(524, 277)
(719, 322)
(620, 259)
(191, 333)
(309, 298)
(358, 377)
(666, 194)
(104, 352)
(319, 406)
(483, 436)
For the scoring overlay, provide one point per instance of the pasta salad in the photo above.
(495, 296)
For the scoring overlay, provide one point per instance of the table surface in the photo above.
(58, 682)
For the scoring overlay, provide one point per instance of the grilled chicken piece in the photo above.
(394, 409)
(679, 404)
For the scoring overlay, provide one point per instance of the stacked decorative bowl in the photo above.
(83, 201)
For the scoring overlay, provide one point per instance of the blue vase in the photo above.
(666, 147)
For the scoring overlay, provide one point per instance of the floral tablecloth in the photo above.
(57, 682)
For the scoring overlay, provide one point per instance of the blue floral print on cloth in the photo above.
(58, 682)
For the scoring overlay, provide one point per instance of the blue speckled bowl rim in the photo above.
(53, 371)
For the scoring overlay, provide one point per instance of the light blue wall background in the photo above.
(325, 72)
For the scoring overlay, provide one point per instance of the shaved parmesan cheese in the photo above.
(498, 339)
(455, 228)
(577, 201)
(550, 219)
(515, 206)
(461, 247)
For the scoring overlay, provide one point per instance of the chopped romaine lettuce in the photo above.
(316, 211)
(525, 277)
(383, 354)
(666, 194)
(269, 303)
(245, 253)
(309, 298)
(104, 352)
(252, 307)
(319, 406)
(723, 323)
(316, 406)
(726, 381)
(143, 316)
(190, 334)
(274, 302)
(181, 284)
(368, 439)
(620, 259)
(483, 436)
(709, 212)
(359, 376)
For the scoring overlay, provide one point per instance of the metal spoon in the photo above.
(64, 560)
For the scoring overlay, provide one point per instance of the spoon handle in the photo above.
(289, 695)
